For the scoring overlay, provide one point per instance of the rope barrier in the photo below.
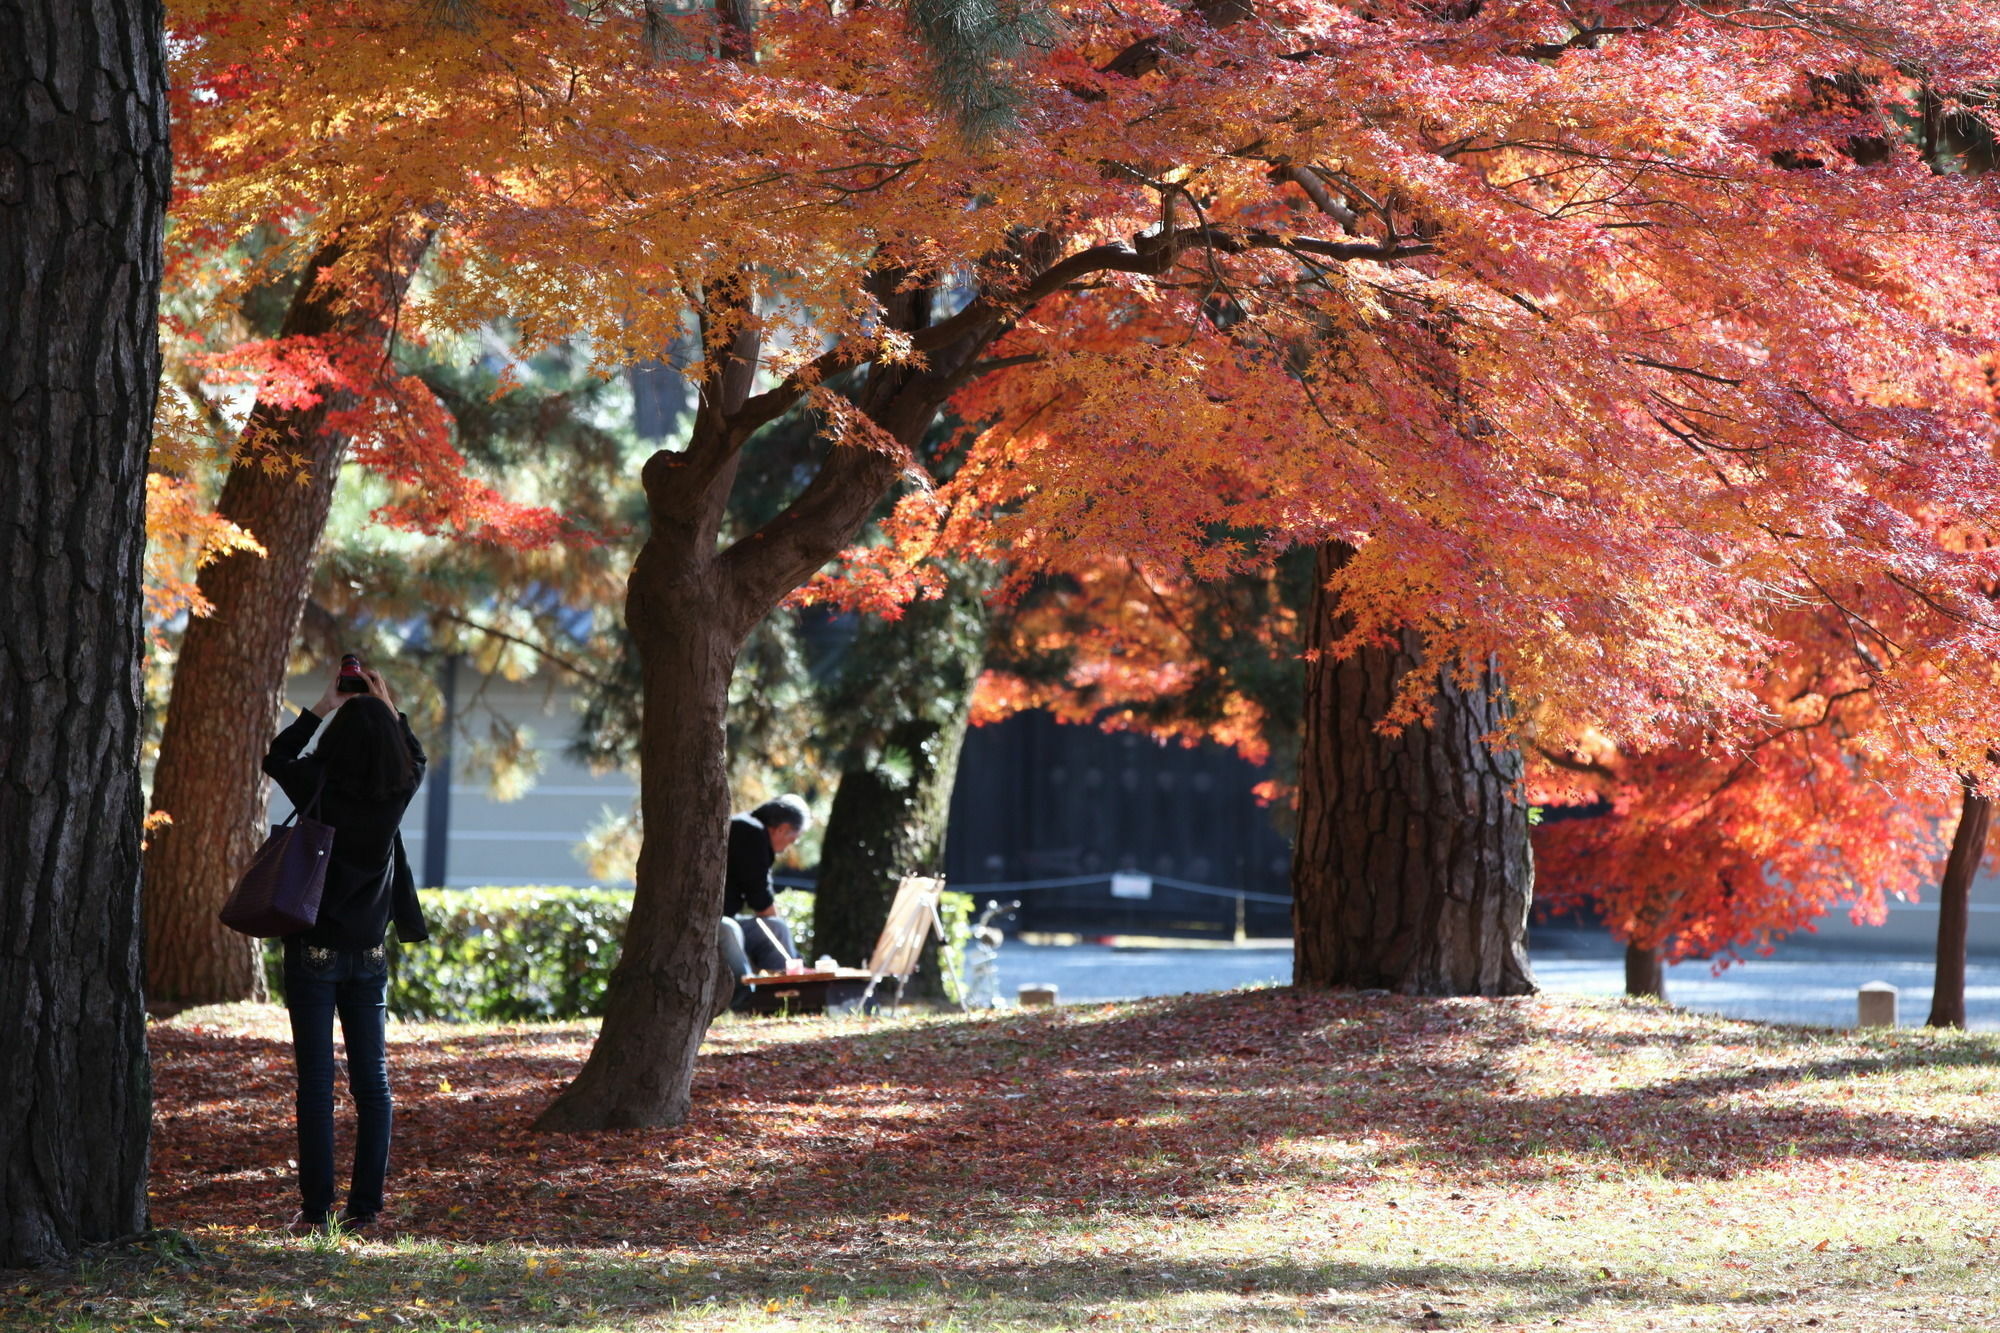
(1069, 882)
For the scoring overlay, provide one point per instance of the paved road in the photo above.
(1799, 987)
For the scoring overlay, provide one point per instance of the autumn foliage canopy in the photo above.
(1646, 347)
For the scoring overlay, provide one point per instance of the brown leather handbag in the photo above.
(279, 894)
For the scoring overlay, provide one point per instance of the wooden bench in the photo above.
(811, 992)
(913, 915)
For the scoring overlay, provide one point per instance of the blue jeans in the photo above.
(750, 949)
(747, 949)
(352, 982)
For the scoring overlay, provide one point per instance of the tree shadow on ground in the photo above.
(498, 1289)
(980, 1128)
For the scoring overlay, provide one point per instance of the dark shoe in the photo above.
(358, 1224)
(304, 1223)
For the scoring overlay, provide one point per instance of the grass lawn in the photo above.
(1261, 1159)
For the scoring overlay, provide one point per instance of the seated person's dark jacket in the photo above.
(746, 885)
(368, 879)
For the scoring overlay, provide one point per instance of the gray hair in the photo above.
(786, 811)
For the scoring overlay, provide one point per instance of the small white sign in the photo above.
(1125, 885)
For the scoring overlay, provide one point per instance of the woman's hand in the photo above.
(380, 688)
(331, 698)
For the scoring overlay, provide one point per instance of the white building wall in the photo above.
(1911, 927)
(531, 840)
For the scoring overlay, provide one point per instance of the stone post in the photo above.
(1876, 1005)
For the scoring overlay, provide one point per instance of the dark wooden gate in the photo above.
(1039, 801)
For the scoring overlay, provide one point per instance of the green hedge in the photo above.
(505, 955)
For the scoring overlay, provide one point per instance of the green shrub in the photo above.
(505, 955)
(502, 955)
(955, 911)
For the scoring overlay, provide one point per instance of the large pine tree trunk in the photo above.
(1412, 871)
(229, 679)
(888, 816)
(1968, 849)
(884, 826)
(84, 169)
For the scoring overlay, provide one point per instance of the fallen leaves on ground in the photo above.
(1259, 1158)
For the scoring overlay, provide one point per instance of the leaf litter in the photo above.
(1262, 1158)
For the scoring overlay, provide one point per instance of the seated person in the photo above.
(754, 937)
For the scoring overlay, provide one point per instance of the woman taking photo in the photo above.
(362, 773)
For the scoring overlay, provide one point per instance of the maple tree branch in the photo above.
(1111, 256)
(1782, 16)
(1827, 416)
(1343, 250)
(890, 173)
(190, 383)
(1605, 157)
(1928, 600)
(1682, 370)
(764, 408)
(1700, 441)
(781, 555)
(1147, 256)
(583, 673)
(1748, 759)
(889, 414)
(1587, 767)
(1161, 604)
(724, 388)
(1853, 619)
(974, 369)
(1314, 185)
(1586, 38)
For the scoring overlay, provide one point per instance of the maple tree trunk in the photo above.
(689, 613)
(1968, 849)
(229, 679)
(1645, 973)
(657, 1006)
(84, 174)
(690, 608)
(1412, 871)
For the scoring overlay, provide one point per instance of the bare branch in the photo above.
(558, 659)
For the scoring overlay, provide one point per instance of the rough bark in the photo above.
(1412, 871)
(657, 1008)
(229, 678)
(84, 167)
(1645, 974)
(873, 836)
(1968, 849)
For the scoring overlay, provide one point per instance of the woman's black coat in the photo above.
(368, 878)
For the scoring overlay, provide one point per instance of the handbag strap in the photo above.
(311, 808)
